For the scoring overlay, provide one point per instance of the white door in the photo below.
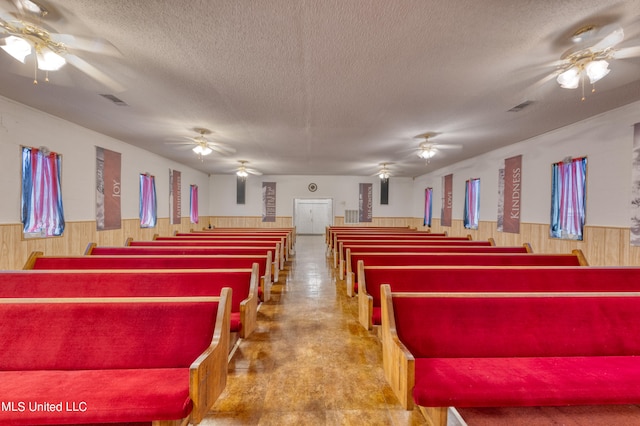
(312, 216)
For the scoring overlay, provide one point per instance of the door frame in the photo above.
(321, 200)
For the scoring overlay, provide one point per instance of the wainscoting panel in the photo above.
(14, 250)
(602, 246)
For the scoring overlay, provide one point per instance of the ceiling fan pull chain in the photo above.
(35, 72)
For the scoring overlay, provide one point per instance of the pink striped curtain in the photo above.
(568, 195)
(148, 203)
(472, 204)
(193, 211)
(42, 211)
(428, 206)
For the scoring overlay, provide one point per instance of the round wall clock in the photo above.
(312, 187)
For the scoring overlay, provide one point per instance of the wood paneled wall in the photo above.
(14, 250)
(383, 221)
(250, 222)
(602, 246)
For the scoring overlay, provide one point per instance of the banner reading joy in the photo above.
(108, 165)
(447, 200)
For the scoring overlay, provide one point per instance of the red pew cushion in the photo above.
(526, 381)
(143, 395)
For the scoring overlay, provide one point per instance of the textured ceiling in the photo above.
(331, 87)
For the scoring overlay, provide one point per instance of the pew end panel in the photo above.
(581, 257)
(398, 362)
(208, 373)
(31, 260)
(365, 300)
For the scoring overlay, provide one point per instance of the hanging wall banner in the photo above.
(447, 200)
(175, 196)
(268, 201)
(500, 200)
(512, 194)
(635, 188)
(365, 202)
(108, 215)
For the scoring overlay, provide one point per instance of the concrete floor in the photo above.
(309, 362)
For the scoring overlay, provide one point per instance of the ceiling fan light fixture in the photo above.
(596, 70)
(48, 60)
(17, 47)
(570, 79)
(426, 153)
(202, 150)
(242, 173)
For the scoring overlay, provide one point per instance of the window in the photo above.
(148, 204)
(428, 206)
(42, 213)
(193, 210)
(471, 203)
(568, 196)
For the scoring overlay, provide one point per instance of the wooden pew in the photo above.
(512, 349)
(361, 245)
(143, 283)
(372, 257)
(342, 234)
(37, 260)
(375, 238)
(331, 230)
(274, 247)
(244, 240)
(400, 258)
(94, 250)
(117, 360)
(288, 233)
(531, 273)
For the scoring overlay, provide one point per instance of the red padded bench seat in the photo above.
(489, 279)
(38, 261)
(275, 247)
(414, 256)
(511, 349)
(90, 361)
(403, 245)
(245, 240)
(94, 250)
(142, 283)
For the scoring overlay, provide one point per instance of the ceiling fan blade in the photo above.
(614, 35)
(253, 172)
(180, 143)
(627, 52)
(222, 149)
(96, 45)
(447, 146)
(94, 73)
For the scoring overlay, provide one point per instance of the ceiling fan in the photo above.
(202, 146)
(384, 172)
(589, 57)
(243, 171)
(23, 34)
(428, 149)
